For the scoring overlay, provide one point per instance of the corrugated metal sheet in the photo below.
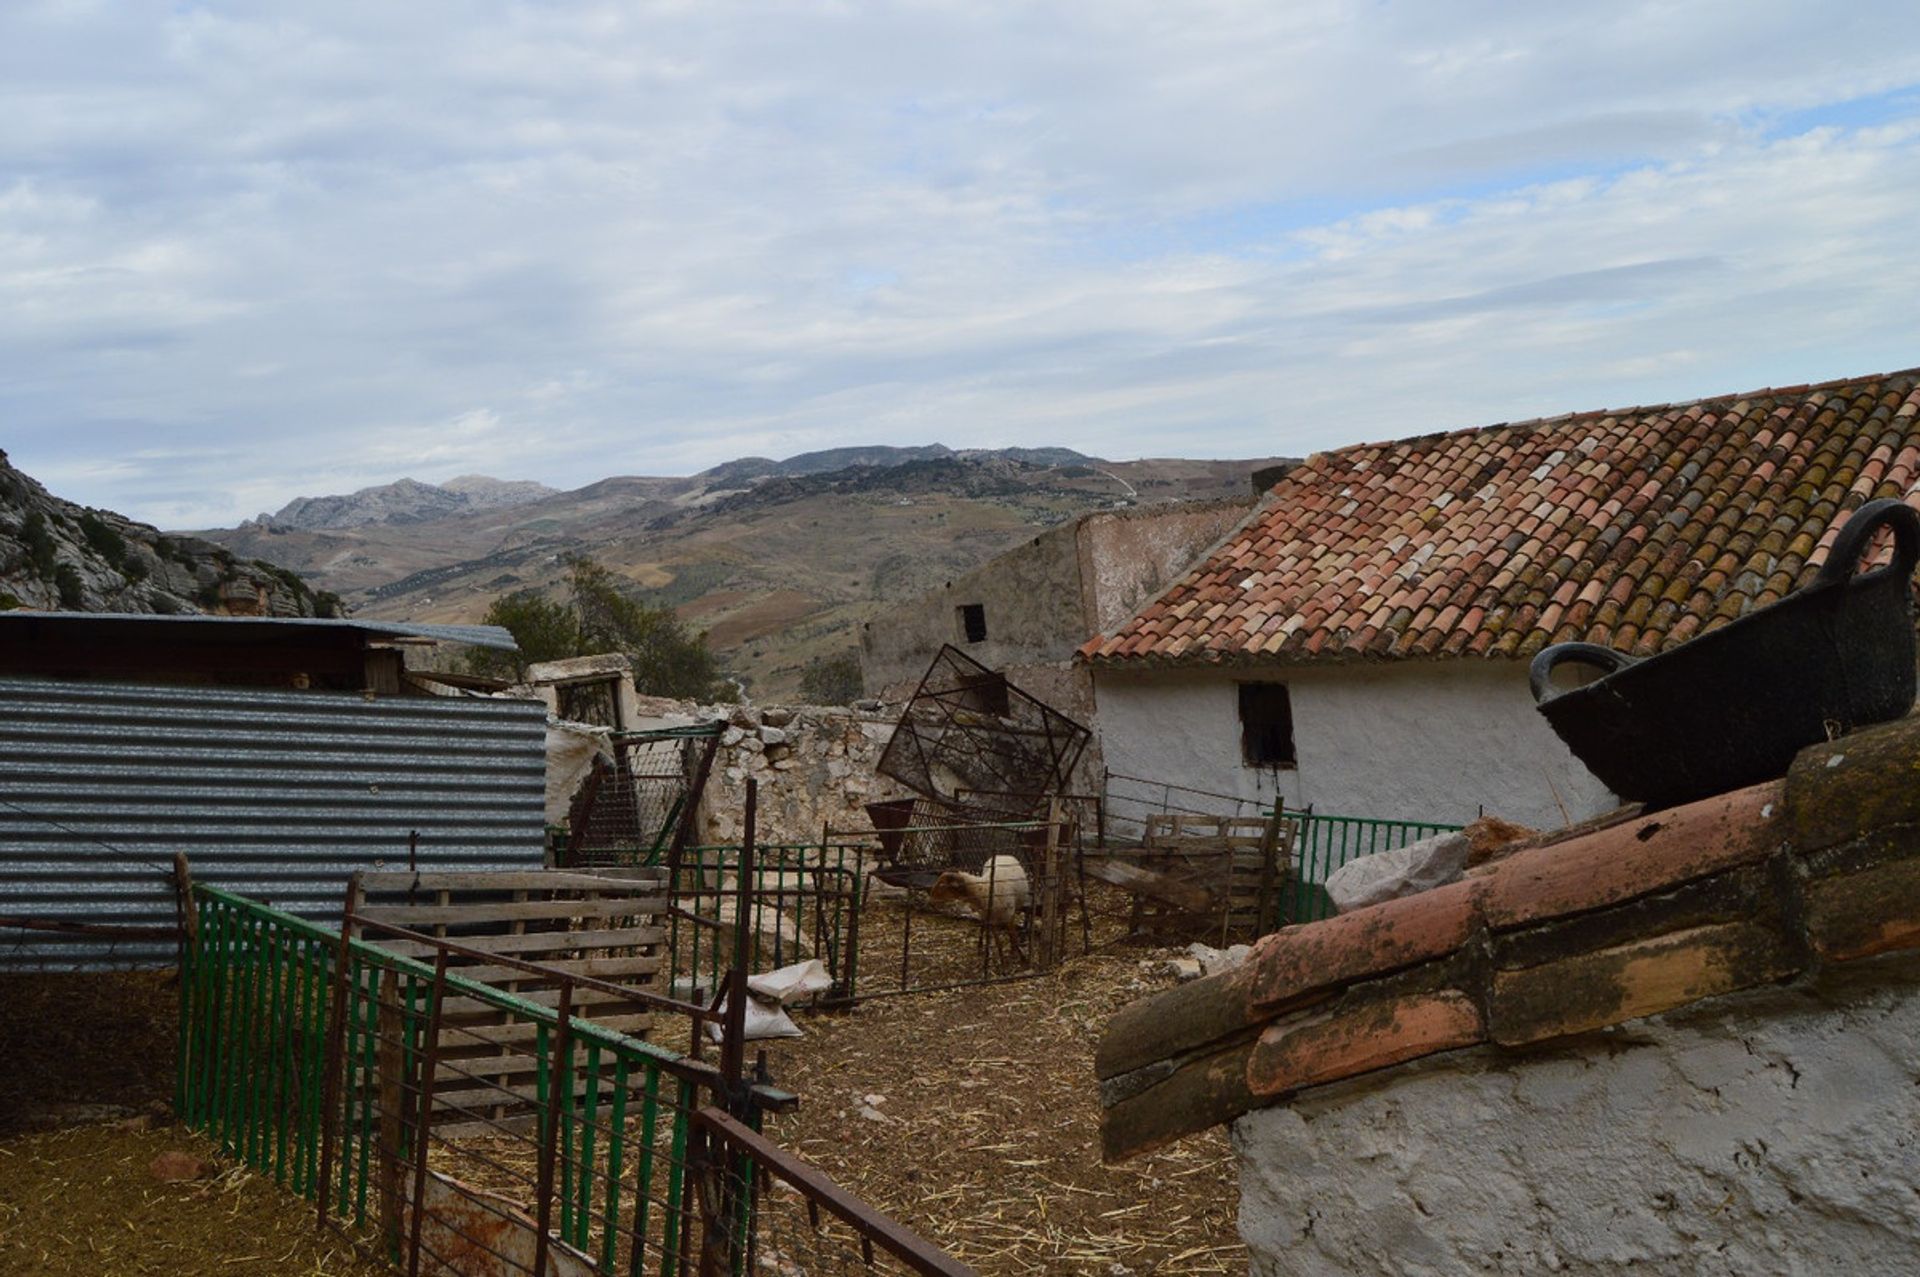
(279, 795)
(493, 636)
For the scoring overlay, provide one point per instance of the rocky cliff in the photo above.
(60, 556)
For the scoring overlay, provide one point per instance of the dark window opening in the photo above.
(973, 621)
(596, 702)
(1266, 725)
(986, 694)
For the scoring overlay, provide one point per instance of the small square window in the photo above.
(973, 621)
(1266, 725)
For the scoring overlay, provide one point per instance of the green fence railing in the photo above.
(328, 1080)
(803, 902)
(1321, 844)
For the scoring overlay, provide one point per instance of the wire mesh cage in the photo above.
(969, 729)
(629, 806)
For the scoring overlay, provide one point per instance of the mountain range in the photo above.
(777, 561)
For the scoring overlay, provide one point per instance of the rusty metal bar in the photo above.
(550, 1133)
(899, 1241)
(422, 1132)
(332, 1082)
(98, 929)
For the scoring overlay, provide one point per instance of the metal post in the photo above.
(550, 1132)
(424, 1126)
(331, 1086)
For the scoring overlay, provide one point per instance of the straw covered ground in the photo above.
(973, 1116)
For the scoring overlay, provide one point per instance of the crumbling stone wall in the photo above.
(1770, 1132)
(815, 765)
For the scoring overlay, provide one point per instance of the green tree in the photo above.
(832, 680)
(600, 616)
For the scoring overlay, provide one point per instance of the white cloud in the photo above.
(343, 243)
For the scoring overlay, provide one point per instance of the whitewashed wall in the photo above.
(1771, 1132)
(1412, 740)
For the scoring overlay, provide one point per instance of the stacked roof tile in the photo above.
(1780, 882)
(1638, 529)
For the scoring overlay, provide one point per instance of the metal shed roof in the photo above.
(274, 793)
(492, 636)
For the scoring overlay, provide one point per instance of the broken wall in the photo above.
(815, 765)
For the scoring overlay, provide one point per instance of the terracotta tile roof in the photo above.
(1654, 912)
(1636, 528)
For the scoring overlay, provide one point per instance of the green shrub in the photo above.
(103, 538)
(73, 591)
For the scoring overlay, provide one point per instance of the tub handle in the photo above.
(1859, 530)
(1539, 674)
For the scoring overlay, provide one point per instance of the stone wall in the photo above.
(815, 765)
(1770, 1132)
(1042, 600)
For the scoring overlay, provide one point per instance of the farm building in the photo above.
(278, 755)
(1360, 644)
(1026, 612)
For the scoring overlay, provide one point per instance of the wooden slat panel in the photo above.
(597, 968)
(633, 1025)
(510, 911)
(455, 1007)
(394, 882)
(537, 942)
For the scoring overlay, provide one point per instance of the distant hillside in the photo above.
(777, 561)
(58, 556)
(406, 501)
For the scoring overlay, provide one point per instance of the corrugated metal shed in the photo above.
(493, 636)
(277, 794)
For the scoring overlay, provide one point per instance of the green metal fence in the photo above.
(802, 901)
(1322, 843)
(338, 1080)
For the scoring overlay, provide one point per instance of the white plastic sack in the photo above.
(571, 749)
(1405, 871)
(768, 995)
(789, 984)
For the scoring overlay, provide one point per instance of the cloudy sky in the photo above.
(250, 251)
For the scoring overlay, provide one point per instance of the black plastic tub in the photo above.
(1732, 707)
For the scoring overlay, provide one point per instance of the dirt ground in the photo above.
(86, 1068)
(973, 1116)
(82, 1202)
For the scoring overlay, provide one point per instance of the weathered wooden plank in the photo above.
(393, 882)
(454, 1008)
(508, 911)
(597, 968)
(1145, 882)
(534, 942)
(632, 1025)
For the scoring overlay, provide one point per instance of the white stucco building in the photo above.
(1360, 642)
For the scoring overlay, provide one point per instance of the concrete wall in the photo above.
(1771, 1132)
(1033, 611)
(1127, 557)
(1412, 740)
(1045, 598)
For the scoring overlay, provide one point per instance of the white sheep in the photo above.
(999, 896)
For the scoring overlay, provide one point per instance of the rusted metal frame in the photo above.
(580, 811)
(898, 1241)
(442, 944)
(690, 811)
(550, 1132)
(102, 930)
(423, 1129)
(332, 1085)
